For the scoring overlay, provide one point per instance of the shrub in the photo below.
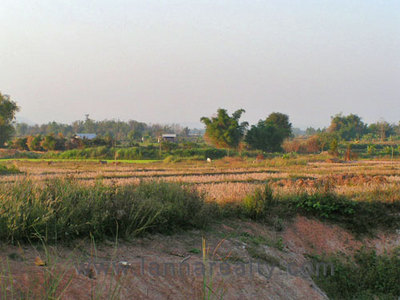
(29, 155)
(168, 159)
(182, 207)
(4, 170)
(168, 146)
(325, 205)
(371, 149)
(284, 161)
(369, 276)
(129, 153)
(34, 142)
(309, 145)
(201, 152)
(290, 155)
(214, 153)
(260, 157)
(20, 144)
(388, 150)
(291, 145)
(359, 217)
(333, 147)
(139, 152)
(257, 204)
(49, 143)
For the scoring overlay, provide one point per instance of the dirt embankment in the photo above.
(244, 260)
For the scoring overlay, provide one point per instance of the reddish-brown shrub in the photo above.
(309, 145)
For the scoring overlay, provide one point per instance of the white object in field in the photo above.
(208, 159)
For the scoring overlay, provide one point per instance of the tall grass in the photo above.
(63, 209)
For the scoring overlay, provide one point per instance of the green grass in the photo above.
(359, 217)
(5, 170)
(64, 210)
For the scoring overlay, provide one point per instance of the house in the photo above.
(87, 136)
(168, 137)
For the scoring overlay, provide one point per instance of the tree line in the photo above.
(130, 131)
(271, 134)
(225, 131)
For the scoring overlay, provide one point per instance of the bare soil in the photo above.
(156, 266)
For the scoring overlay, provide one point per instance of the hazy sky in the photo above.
(176, 61)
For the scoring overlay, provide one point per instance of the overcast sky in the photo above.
(176, 61)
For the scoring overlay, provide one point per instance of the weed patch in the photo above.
(368, 276)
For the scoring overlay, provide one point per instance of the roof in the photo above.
(169, 135)
(88, 136)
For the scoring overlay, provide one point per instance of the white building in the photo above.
(168, 137)
(87, 136)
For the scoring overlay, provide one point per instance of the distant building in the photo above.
(87, 136)
(168, 137)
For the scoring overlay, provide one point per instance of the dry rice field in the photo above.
(231, 179)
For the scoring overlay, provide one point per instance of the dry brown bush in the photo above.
(309, 145)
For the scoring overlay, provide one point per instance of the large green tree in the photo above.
(281, 121)
(347, 127)
(8, 110)
(264, 136)
(225, 131)
(326, 139)
(382, 129)
(268, 135)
